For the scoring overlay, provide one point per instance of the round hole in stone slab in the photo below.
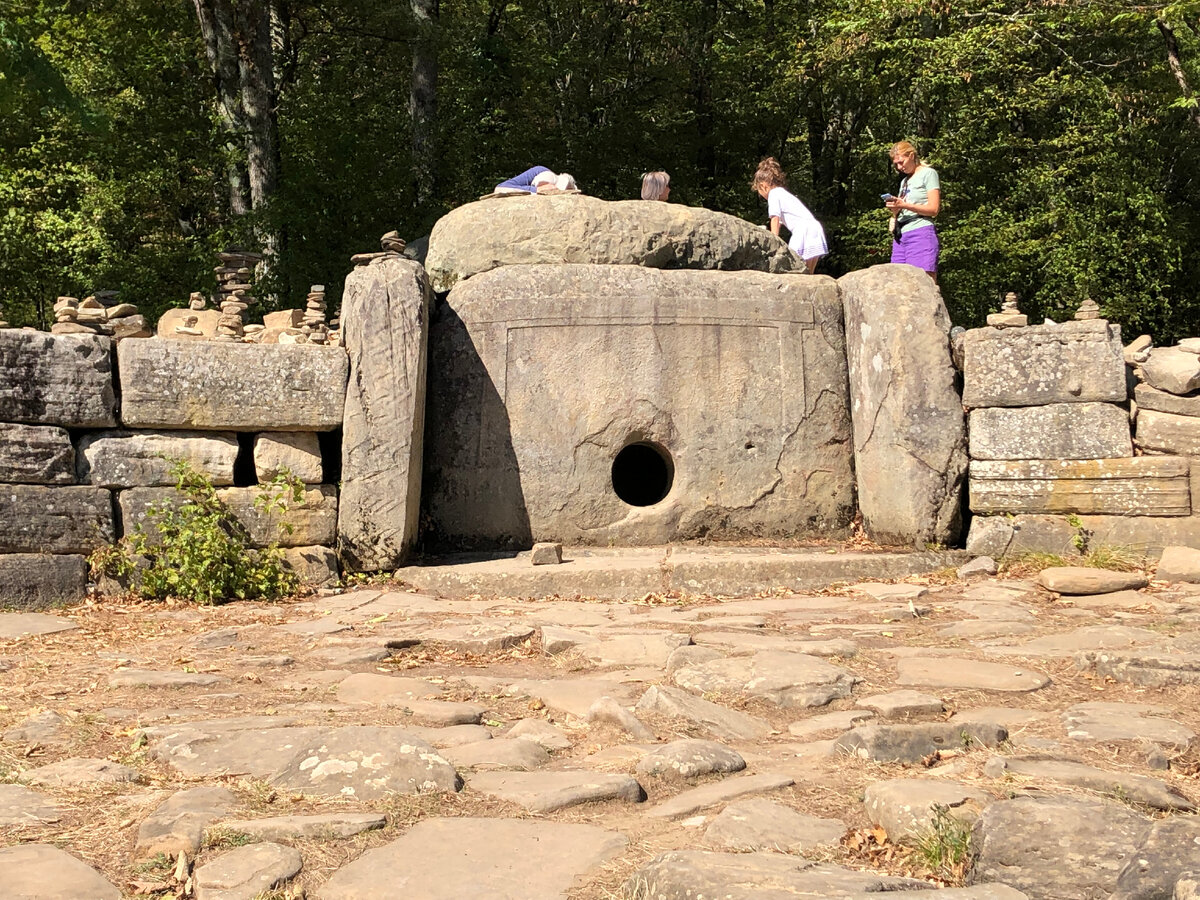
(642, 473)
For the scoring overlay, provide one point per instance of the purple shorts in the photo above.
(917, 247)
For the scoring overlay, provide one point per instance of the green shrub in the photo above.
(197, 549)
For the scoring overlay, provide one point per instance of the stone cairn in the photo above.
(392, 246)
(100, 313)
(314, 316)
(3, 321)
(233, 290)
(196, 302)
(1010, 315)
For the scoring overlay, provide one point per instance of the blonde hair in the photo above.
(654, 185)
(903, 148)
(769, 173)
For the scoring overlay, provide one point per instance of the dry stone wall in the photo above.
(84, 450)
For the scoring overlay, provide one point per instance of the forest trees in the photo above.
(139, 135)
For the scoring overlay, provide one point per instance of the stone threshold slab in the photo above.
(634, 572)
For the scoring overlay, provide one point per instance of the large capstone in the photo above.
(52, 379)
(231, 386)
(385, 329)
(910, 451)
(509, 231)
(597, 404)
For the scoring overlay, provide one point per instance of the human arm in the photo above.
(930, 208)
(775, 223)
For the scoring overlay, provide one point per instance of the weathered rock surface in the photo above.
(206, 324)
(39, 519)
(385, 329)
(449, 859)
(909, 434)
(902, 704)
(1055, 848)
(165, 679)
(1106, 722)
(1086, 580)
(80, 772)
(761, 824)
(1172, 370)
(19, 806)
(120, 459)
(1142, 486)
(1179, 564)
(36, 454)
(40, 580)
(42, 872)
(1056, 431)
(313, 519)
(315, 565)
(14, 626)
(728, 392)
(912, 743)
(634, 649)
(550, 737)
(706, 795)
(720, 721)
(785, 679)
(62, 380)
(1168, 851)
(1147, 397)
(322, 826)
(1147, 668)
(480, 236)
(515, 754)
(46, 727)
(691, 874)
(690, 758)
(906, 807)
(178, 824)
(231, 386)
(543, 792)
(1074, 362)
(967, 675)
(1126, 786)
(246, 873)
(829, 722)
(609, 711)
(297, 453)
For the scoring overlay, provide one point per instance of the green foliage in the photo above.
(197, 550)
(944, 848)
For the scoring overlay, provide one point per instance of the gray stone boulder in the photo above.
(36, 454)
(52, 379)
(19, 807)
(1161, 432)
(297, 453)
(1089, 581)
(314, 565)
(385, 329)
(690, 758)
(906, 808)
(246, 873)
(598, 404)
(762, 824)
(1172, 370)
(121, 459)
(1179, 564)
(40, 580)
(782, 678)
(67, 519)
(231, 386)
(1074, 362)
(510, 231)
(178, 824)
(913, 743)
(910, 451)
(1169, 850)
(1055, 848)
(42, 872)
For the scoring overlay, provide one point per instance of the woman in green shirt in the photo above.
(914, 239)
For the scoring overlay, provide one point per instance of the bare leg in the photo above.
(811, 263)
(932, 275)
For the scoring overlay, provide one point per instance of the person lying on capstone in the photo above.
(537, 180)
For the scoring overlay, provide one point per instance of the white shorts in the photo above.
(809, 244)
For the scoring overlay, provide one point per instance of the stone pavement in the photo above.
(985, 739)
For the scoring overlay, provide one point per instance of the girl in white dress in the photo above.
(807, 236)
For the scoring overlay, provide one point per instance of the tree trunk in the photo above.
(1176, 66)
(422, 100)
(220, 46)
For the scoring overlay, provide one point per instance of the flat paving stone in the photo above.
(1103, 722)
(695, 874)
(385, 690)
(1089, 637)
(516, 754)
(178, 824)
(608, 711)
(1115, 600)
(1010, 717)
(784, 679)
(1167, 856)
(246, 873)
(450, 859)
(828, 722)
(556, 639)
(1084, 580)
(906, 807)
(19, 806)
(14, 626)
(762, 824)
(151, 679)
(44, 728)
(570, 695)
(321, 826)
(913, 743)
(551, 737)
(883, 592)
(315, 627)
(479, 638)
(690, 758)
(741, 642)
(1127, 786)
(634, 649)
(968, 675)
(994, 611)
(359, 653)
(698, 798)
(719, 721)
(976, 629)
(902, 704)
(451, 735)
(81, 772)
(42, 872)
(544, 792)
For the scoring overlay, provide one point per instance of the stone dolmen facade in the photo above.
(595, 373)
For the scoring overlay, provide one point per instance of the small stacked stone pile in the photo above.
(1009, 316)
(233, 290)
(3, 322)
(1167, 401)
(314, 316)
(196, 302)
(392, 246)
(100, 313)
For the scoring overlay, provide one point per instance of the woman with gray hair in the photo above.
(656, 186)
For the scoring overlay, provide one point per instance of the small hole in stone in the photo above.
(642, 474)
(749, 445)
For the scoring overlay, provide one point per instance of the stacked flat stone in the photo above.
(1050, 434)
(100, 313)
(1168, 401)
(314, 316)
(233, 292)
(1009, 316)
(391, 247)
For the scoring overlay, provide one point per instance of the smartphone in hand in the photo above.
(886, 197)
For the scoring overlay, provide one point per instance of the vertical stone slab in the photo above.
(910, 451)
(385, 328)
(56, 379)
